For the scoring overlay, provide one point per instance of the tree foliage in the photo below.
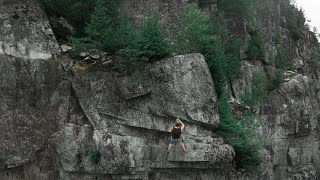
(197, 32)
(275, 80)
(107, 31)
(258, 93)
(77, 12)
(242, 135)
(315, 59)
(148, 46)
(241, 9)
(294, 19)
(255, 50)
(95, 157)
(283, 59)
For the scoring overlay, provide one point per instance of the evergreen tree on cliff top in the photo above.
(107, 31)
(148, 46)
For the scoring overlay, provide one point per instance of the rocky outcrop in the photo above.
(45, 116)
(130, 121)
(290, 115)
(34, 105)
(59, 121)
(25, 31)
(167, 11)
(290, 119)
(55, 118)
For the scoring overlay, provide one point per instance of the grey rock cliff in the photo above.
(53, 121)
(130, 122)
(25, 30)
(290, 116)
(54, 117)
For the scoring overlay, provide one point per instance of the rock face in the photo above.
(44, 117)
(130, 121)
(60, 122)
(53, 122)
(25, 30)
(290, 115)
(167, 11)
(290, 118)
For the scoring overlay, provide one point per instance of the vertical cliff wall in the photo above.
(25, 31)
(59, 121)
(289, 117)
(56, 117)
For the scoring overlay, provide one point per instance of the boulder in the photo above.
(65, 48)
(25, 31)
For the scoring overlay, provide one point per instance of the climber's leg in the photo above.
(169, 147)
(183, 147)
(182, 143)
(171, 143)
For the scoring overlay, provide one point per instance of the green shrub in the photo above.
(276, 38)
(148, 46)
(315, 60)
(283, 59)
(95, 157)
(255, 50)
(242, 134)
(193, 31)
(197, 32)
(294, 20)
(105, 32)
(258, 91)
(77, 12)
(241, 9)
(276, 80)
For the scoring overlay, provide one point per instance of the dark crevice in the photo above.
(75, 108)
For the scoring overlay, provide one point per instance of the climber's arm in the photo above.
(182, 125)
(170, 129)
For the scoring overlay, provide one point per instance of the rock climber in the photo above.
(176, 135)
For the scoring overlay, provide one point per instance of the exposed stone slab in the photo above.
(34, 104)
(25, 31)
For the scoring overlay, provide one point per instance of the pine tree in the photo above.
(107, 31)
(151, 41)
(197, 32)
(148, 46)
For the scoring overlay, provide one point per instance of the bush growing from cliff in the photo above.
(77, 12)
(258, 91)
(148, 46)
(241, 9)
(294, 20)
(275, 80)
(105, 32)
(315, 60)
(255, 50)
(242, 135)
(95, 156)
(194, 32)
(283, 59)
(197, 32)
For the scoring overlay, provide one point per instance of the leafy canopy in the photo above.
(197, 32)
(148, 46)
(106, 31)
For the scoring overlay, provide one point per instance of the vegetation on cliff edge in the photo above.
(102, 28)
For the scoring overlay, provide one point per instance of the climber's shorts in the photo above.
(175, 141)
